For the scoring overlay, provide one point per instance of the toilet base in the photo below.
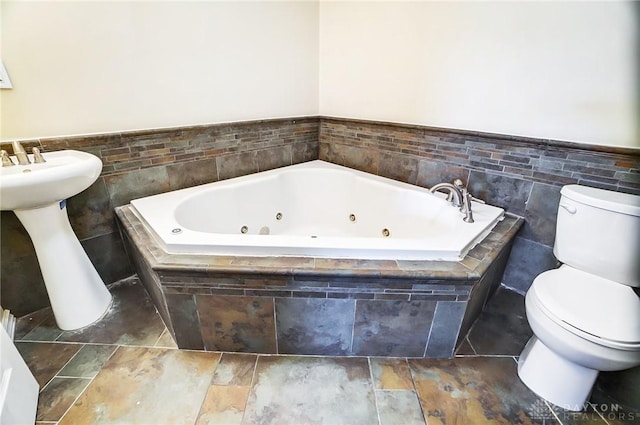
(555, 378)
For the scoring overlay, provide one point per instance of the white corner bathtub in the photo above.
(314, 209)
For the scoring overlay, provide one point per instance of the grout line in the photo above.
(155, 344)
(373, 388)
(89, 384)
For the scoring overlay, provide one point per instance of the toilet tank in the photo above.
(598, 231)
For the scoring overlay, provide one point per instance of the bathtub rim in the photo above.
(472, 266)
(188, 240)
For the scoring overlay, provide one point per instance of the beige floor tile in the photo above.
(140, 385)
(223, 405)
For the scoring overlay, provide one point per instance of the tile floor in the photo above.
(126, 370)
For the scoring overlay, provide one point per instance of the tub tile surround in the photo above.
(316, 306)
(138, 164)
(522, 175)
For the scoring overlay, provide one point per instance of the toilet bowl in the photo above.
(585, 315)
(582, 324)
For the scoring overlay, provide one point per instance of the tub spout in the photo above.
(458, 195)
(453, 193)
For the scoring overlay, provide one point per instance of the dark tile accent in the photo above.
(108, 256)
(621, 389)
(131, 320)
(88, 361)
(90, 212)
(398, 167)
(541, 213)
(477, 389)
(442, 338)
(137, 184)
(361, 159)
(506, 192)
(45, 359)
(239, 324)
(304, 151)
(392, 328)
(149, 280)
(502, 328)
(275, 157)
(483, 290)
(314, 326)
(432, 172)
(58, 396)
(194, 173)
(527, 260)
(22, 288)
(184, 319)
(236, 165)
(46, 330)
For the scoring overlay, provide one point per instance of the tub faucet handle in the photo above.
(466, 201)
(6, 159)
(37, 156)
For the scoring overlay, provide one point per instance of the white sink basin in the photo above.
(66, 173)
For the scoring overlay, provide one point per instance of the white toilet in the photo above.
(585, 315)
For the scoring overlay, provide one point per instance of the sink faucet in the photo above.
(6, 159)
(459, 197)
(20, 153)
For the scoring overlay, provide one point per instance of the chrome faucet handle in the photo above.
(6, 159)
(37, 156)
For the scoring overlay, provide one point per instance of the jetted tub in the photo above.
(314, 209)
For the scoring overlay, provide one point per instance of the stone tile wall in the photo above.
(142, 163)
(522, 175)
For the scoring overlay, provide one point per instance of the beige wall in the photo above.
(559, 70)
(91, 67)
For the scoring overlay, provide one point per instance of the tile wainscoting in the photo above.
(142, 163)
(522, 175)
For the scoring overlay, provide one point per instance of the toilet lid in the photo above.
(594, 306)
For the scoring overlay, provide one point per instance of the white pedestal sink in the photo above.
(37, 194)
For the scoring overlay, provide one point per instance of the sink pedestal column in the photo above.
(77, 294)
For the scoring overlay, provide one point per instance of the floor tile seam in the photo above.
(415, 389)
(553, 412)
(433, 320)
(75, 399)
(155, 344)
(78, 397)
(373, 388)
(469, 342)
(91, 379)
(59, 369)
(251, 385)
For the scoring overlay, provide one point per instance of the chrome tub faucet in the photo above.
(459, 197)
